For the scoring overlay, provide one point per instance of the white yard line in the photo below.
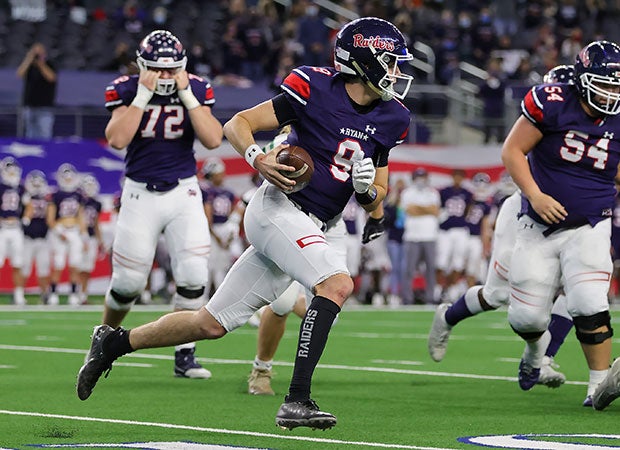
(218, 430)
(282, 363)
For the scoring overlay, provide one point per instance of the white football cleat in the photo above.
(439, 334)
(548, 375)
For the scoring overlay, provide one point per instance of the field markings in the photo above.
(219, 430)
(289, 364)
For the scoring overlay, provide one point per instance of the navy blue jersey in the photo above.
(221, 200)
(454, 201)
(92, 209)
(350, 215)
(38, 222)
(161, 152)
(11, 201)
(577, 159)
(394, 222)
(333, 132)
(67, 203)
(475, 213)
(615, 230)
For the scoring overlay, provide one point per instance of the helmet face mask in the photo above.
(162, 51)
(372, 49)
(597, 76)
(10, 171)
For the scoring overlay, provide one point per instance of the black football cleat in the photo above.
(303, 414)
(97, 362)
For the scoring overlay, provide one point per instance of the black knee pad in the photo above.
(121, 298)
(190, 293)
(529, 335)
(589, 323)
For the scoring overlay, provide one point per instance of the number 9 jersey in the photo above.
(161, 151)
(577, 158)
(335, 133)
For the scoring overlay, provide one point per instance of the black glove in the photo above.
(373, 229)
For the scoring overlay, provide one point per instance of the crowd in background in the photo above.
(260, 40)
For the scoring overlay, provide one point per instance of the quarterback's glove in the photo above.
(363, 175)
(373, 229)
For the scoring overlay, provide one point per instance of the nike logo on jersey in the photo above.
(356, 133)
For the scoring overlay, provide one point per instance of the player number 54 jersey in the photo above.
(577, 159)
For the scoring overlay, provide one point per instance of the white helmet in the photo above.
(36, 183)
(67, 177)
(90, 186)
(10, 171)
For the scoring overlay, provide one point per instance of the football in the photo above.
(298, 158)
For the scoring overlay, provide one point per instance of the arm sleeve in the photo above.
(283, 109)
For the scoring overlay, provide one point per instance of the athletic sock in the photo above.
(535, 350)
(117, 344)
(596, 377)
(313, 334)
(559, 327)
(262, 365)
(458, 311)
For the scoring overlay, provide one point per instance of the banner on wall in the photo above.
(96, 158)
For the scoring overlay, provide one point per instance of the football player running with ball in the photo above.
(347, 118)
(157, 116)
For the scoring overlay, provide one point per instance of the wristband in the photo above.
(367, 197)
(188, 98)
(25, 221)
(251, 153)
(143, 96)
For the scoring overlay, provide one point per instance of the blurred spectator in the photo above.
(39, 92)
(198, 62)
(506, 18)
(313, 34)
(421, 204)
(122, 61)
(255, 46)
(130, 17)
(525, 73)
(571, 46)
(232, 49)
(159, 17)
(484, 39)
(492, 95)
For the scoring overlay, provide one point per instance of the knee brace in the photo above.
(528, 335)
(590, 323)
(188, 298)
(119, 302)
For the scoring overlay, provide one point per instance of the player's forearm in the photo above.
(239, 133)
(517, 165)
(381, 193)
(207, 128)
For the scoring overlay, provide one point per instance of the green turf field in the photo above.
(375, 376)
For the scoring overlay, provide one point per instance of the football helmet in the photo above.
(372, 49)
(597, 76)
(563, 73)
(159, 50)
(10, 171)
(212, 166)
(506, 185)
(90, 186)
(67, 177)
(36, 183)
(481, 182)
